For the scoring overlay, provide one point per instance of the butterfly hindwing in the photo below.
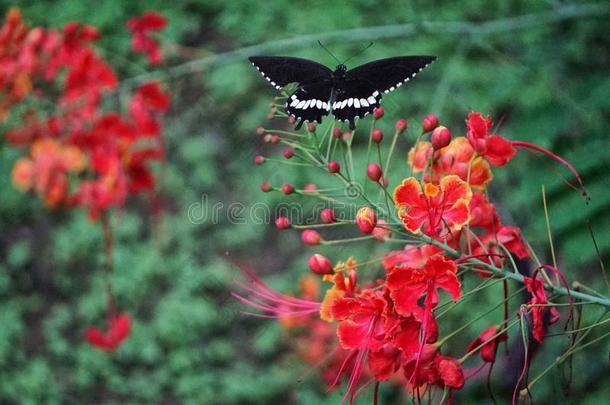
(282, 70)
(310, 102)
(354, 98)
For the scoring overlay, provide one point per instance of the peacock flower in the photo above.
(436, 208)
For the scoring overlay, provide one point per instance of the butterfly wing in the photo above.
(361, 90)
(282, 70)
(310, 102)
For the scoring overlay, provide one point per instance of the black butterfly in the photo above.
(346, 94)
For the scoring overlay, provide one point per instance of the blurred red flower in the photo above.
(118, 330)
(141, 27)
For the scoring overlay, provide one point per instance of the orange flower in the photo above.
(342, 286)
(23, 174)
(455, 158)
(434, 208)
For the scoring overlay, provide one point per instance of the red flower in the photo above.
(408, 284)
(410, 256)
(489, 338)
(495, 148)
(363, 325)
(539, 298)
(148, 99)
(118, 330)
(434, 209)
(483, 214)
(141, 27)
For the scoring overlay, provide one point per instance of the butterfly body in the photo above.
(346, 94)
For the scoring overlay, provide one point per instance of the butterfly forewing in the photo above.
(386, 75)
(282, 70)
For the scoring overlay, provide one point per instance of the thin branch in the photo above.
(460, 28)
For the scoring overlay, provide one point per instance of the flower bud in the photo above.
(429, 123)
(311, 127)
(334, 166)
(282, 223)
(292, 119)
(265, 187)
(320, 264)
(337, 132)
(310, 237)
(377, 135)
(401, 125)
(275, 139)
(287, 188)
(310, 187)
(327, 215)
(378, 112)
(259, 160)
(440, 137)
(260, 131)
(347, 136)
(288, 153)
(366, 219)
(382, 231)
(267, 138)
(373, 171)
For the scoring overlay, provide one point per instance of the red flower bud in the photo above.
(265, 187)
(259, 160)
(366, 219)
(288, 153)
(320, 264)
(378, 112)
(377, 135)
(337, 132)
(429, 123)
(334, 166)
(373, 171)
(260, 131)
(275, 139)
(401, 125)
(310, 237)
(267, 138)
(440, 137)
(347, 135)
(311, 127)
(282, 223)
(309, 187)
(327, 215)
(382, 231)
(287, 188)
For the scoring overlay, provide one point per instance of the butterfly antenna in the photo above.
(329, 52)
(359, 53)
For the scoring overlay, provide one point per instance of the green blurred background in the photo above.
(540, 67)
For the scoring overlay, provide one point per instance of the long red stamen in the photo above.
(521, 144)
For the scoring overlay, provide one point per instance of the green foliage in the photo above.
(546, 83)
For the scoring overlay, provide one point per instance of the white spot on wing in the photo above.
(364, 103)
(300, 105)
(356, 103)
(371, 100)
(319, 104)
(350, 101)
